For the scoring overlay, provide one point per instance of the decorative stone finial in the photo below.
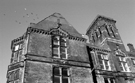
(131, 47)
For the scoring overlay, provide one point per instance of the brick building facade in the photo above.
(52, 51)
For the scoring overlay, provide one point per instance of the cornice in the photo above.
(48, 32)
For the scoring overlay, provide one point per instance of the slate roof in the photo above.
(52, 21)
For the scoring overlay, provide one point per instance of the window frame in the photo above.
(60, 45)
(107, 29)
(109, 80)
(123, 63)
(112, 30)
(16, 52)
(103, 59)
(133, 61)
(61, 76)
(12, 75)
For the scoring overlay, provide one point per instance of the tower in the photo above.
(111, 54)
(51, 51)
(103, 32)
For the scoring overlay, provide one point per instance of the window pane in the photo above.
(63, 55)
(16, 75)
(15, 58)
(98, 33)
(121, 68)
(56, 40)
(106, 80)
(56, 79)
(56, 71)
(63, 39)
(102, 66)
(55, 52)
(19, 55)
(99, 30)
(93, 38)
(11, 82)
(65, 80)
(105, 57)
(56, 37)
(120, 59)
(107, 67)
(21, 45)
(63, 44)
(9, 76)
(12, 76)
(64, 72)
(106, 62)
(133, 61)
(99, 56)
(100, 61)
(112, 80)
(16, 47)
(124, 65)
(62, 50)
(107, 30)
(12, 60)
(16, 81)
(20, 52)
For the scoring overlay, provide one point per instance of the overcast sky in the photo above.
(16, 15)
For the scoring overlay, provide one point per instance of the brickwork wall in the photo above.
(81, 75)
(39, 44)
(38, 72)
(77, 51)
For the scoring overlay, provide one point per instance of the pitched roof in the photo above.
(52, 21)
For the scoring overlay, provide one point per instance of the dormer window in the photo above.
(122, 63)
(104, 61)
(59, 47)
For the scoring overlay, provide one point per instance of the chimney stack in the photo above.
(131, 47)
